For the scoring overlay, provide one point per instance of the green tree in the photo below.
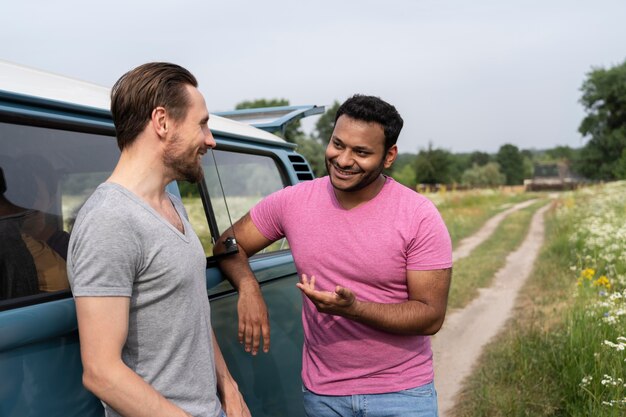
(487, 175)
(562, 153)
(405, 175)
(326, 123)
(620, 166)
(399, 170)
(432, 166)
(528, 163)
(292, 130)
(604, 99)
(458, 163)
(511, 164)
(403, 158)
(479, 158)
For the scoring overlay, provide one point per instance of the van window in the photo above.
(245, 180)
(46, 176)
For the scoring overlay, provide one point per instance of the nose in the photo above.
(209, 140)
(344, 160)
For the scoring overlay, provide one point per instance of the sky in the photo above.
(465, 75)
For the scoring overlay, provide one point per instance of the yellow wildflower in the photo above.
(603, 281)
(588, 273)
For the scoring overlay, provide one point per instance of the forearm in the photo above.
(127, 393)
(409, 317)
(232, 401)
(251, 308)
(237, 270)
(103, 329)
(235, 265)
(421, 314)
(225, 381)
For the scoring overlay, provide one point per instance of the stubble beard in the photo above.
(179, 163)
(364, 182)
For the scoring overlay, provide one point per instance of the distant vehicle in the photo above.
(555, 176)
(57, 143)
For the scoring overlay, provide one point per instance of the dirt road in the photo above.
(467, 245)
(459, 343)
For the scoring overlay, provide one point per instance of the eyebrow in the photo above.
(356, 148)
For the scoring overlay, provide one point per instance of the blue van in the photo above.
(57, 143)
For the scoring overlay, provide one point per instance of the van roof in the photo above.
(20, 79)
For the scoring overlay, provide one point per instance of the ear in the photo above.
(390, 156)
(159, 121)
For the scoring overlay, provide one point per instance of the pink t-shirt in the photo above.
(367, 249)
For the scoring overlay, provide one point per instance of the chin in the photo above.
(192, 176)
(343, 186)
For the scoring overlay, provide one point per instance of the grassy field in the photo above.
(466, 211)
(477, 271)
(563, 354)
(237, 207)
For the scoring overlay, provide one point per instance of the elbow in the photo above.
(435, 321)
(95, 379)
(89, 382)
(435, 326)
(433, 329)
(430, 328)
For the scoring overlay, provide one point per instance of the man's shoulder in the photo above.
(408, 203)
(303, 188)
(290, 197)
(400, 191)
(105, 200)
(107, 205)
(314, 184)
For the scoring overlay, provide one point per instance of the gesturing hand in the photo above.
(340, 303)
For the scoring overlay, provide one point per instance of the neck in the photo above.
(352, 199)
(142, 173)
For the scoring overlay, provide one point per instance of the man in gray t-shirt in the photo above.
(137, 269)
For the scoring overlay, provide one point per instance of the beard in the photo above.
(186, 167)
(366, 180)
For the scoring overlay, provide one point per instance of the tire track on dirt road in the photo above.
(467, 245)
(458, 344)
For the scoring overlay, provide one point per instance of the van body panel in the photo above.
(44, 378)
(40, 366)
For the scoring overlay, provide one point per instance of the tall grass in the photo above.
(464, 212)
(478, 270)
(564, 352)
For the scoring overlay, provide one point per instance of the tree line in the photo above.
(603, 157)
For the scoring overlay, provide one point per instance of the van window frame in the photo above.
(49, 114)
(41, 298)
(223, 144)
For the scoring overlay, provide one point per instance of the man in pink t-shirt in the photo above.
(375, 264)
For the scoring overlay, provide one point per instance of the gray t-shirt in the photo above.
(120, 246)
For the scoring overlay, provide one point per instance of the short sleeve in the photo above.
(431, 246)
(103, 256)
(267, 215)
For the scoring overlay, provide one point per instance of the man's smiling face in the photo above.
(355, 155)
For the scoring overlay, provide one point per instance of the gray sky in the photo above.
(465, 75)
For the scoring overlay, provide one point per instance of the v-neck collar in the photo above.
(134, 197)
